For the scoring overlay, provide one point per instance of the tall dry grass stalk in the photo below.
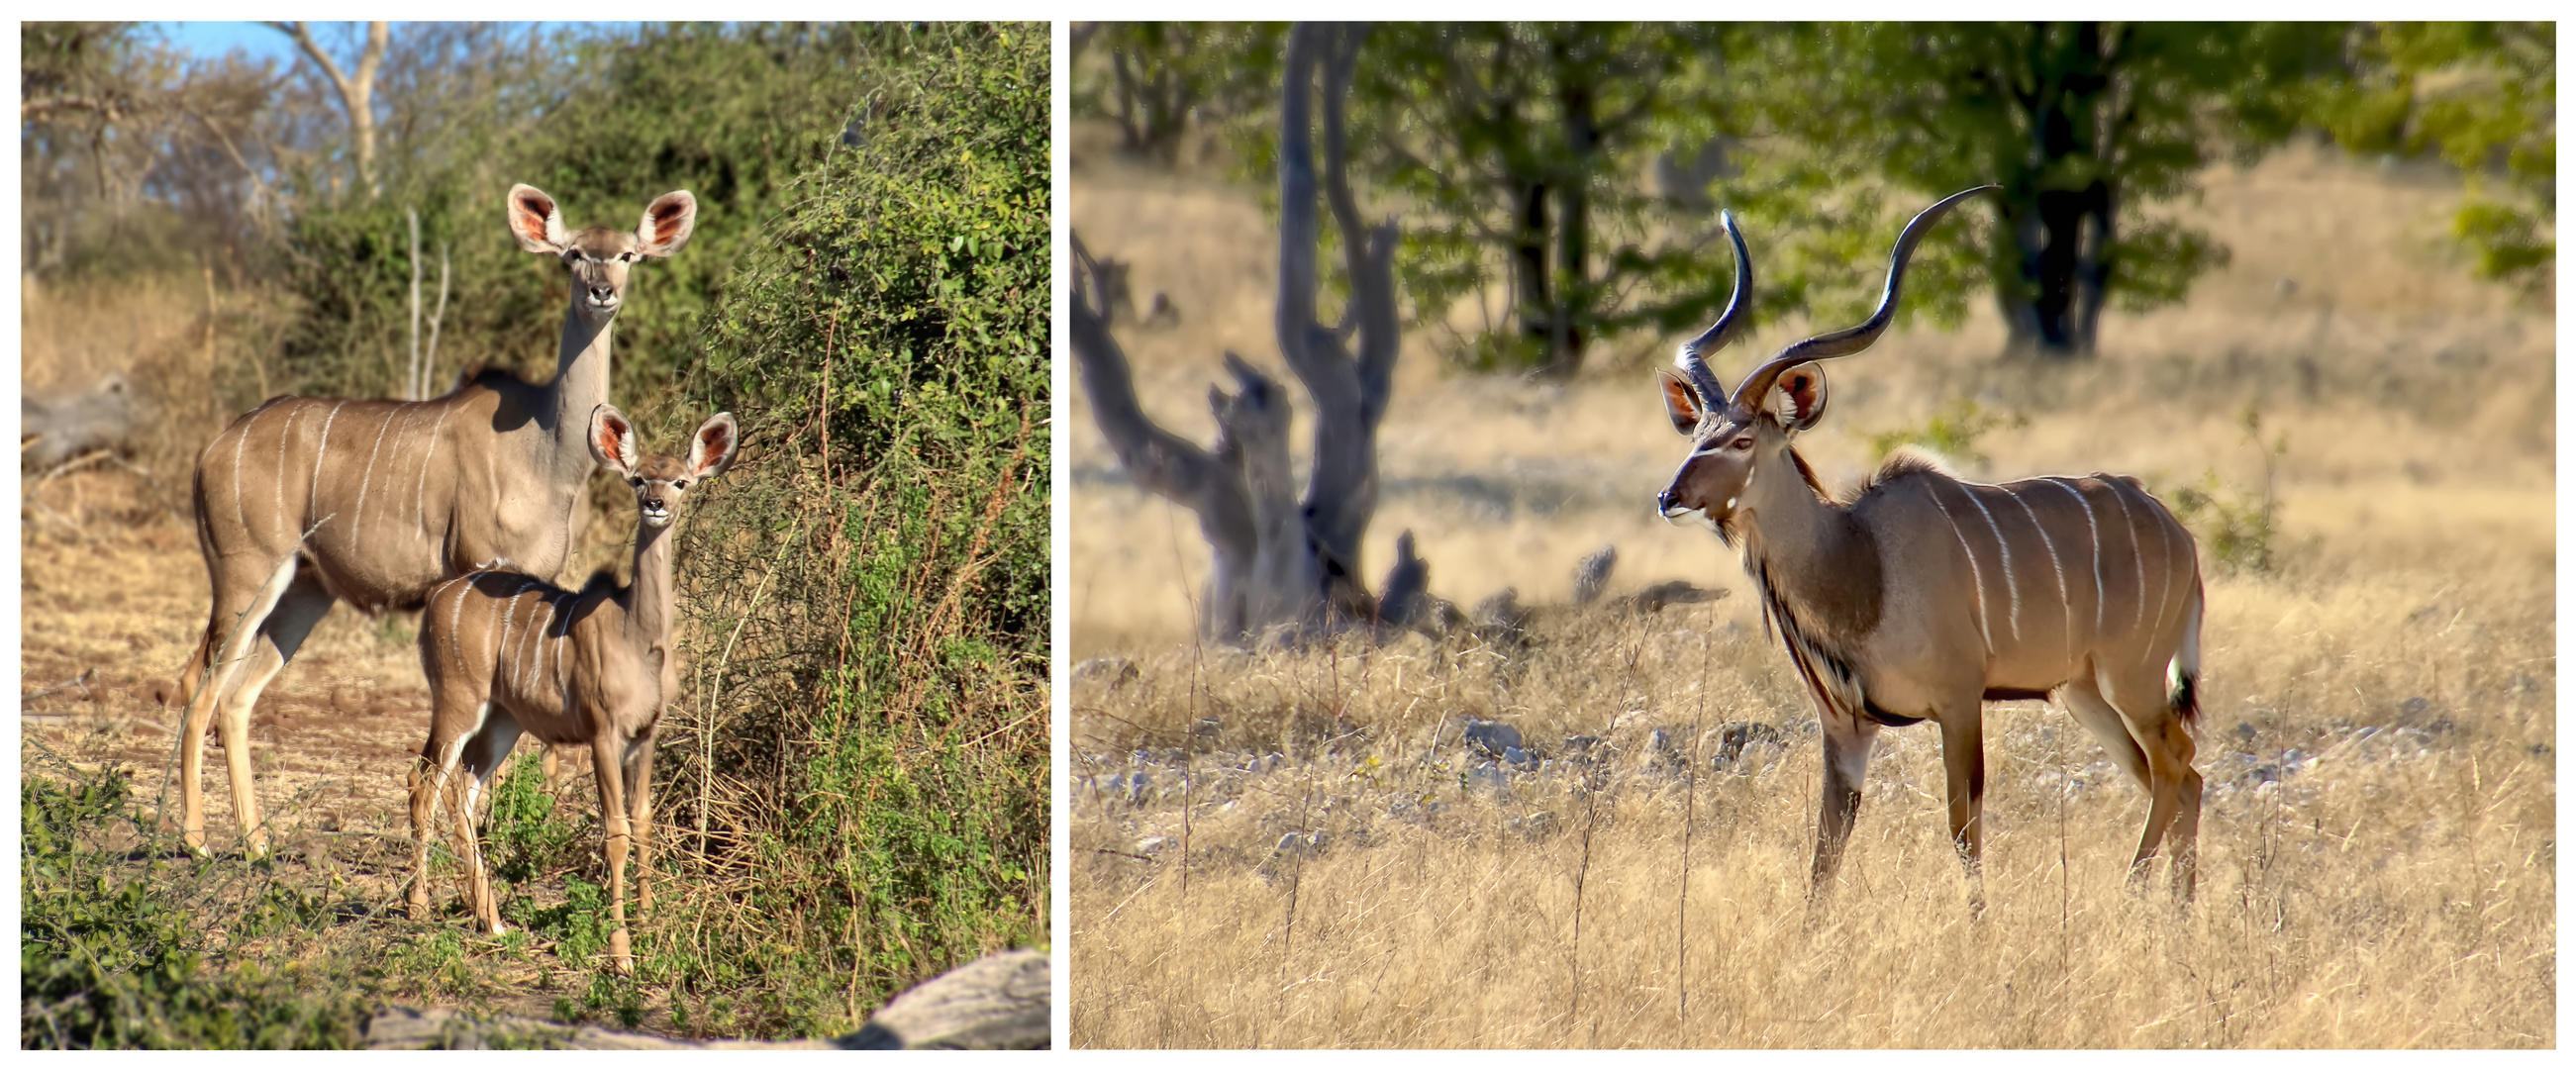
(2378, 847)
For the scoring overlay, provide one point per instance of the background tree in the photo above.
(2483, 96)
(1521, 146)
(356, 88)
(1280, 559)
(2082, 123)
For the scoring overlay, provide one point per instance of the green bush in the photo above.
(115, 944)
(1952, 431)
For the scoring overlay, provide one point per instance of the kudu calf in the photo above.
(1920, 596)
(507, 653)
(302, 502)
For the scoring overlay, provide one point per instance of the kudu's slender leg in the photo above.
(305, 603)
(484, 754)
(1963, 761)
(2085, 702)
(429, 776)
(238, 620)
(639, 814)
(605, 761)
(2173, 787)
(1848, 740)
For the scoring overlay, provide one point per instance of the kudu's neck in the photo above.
(580, 385)
(1810, 555)
(648, 598)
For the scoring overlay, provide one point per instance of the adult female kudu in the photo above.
(1920, 596)
(300, 502)
(506, 653)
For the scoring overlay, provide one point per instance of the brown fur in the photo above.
(507, 653)
(306, 502)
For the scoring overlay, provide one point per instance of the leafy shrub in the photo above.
(869, 585)
(115, 952)
(2238, 524)
(1952, 431)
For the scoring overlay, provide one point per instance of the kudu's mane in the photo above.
(1823, 612)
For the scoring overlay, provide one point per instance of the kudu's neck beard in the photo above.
(1817, 567)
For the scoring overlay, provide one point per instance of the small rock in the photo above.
(1493, 736)
(1115, 671)
(1533, 828)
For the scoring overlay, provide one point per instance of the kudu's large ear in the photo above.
(711, 452)
(667, 224)
(536, 223)
(612, 441)
(1680, 402)
(1802, 396)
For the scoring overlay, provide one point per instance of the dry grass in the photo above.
(2378, 845)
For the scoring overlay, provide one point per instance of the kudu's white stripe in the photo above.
(533, 666)
(241, 437)
(358, 521)
(2137, 552)
(2094, 527)
(277, 484)
(455, 613)
(2065, 597)
(1976, 574)
(313, 497)
(2164, 571)
(420, 492)
(2012, 583)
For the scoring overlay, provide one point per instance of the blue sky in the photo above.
(217, 38)
(258, 39)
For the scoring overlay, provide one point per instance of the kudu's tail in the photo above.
(2183, 675)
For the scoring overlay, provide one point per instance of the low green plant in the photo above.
(2239, 524)
(1951, 431)
(120, 947)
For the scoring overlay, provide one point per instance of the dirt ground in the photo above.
(113, 597)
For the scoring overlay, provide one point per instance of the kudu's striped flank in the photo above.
(1920, 596)
(305, 501)
(507, 653)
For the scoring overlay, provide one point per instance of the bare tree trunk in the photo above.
(412, 375)
(1279, 560)
(357, 92)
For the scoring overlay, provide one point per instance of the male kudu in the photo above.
(1920, 596)
(304, 502)
(507, 652)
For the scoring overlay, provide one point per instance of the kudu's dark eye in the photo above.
(635, 482)
(680, 485)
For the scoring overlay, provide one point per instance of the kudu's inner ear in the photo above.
(1680, 402)
(711, 452)
(667, 224)
(535, 222)
(1802, 396)
(612, 440)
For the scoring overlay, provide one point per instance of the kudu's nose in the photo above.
(1664, 502)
